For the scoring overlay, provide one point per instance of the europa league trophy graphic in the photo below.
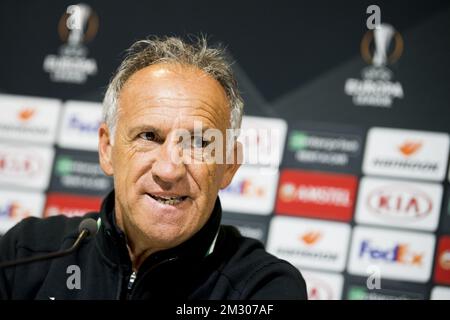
(382, 35)
(76, 25)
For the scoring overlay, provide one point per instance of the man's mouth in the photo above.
(168, 200)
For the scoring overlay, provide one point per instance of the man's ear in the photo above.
(105, 149)
(233, 163)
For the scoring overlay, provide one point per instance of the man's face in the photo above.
(154, 104)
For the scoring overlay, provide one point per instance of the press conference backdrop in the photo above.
(352, 183)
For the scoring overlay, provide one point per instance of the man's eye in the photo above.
(199, 142)
(150, 136)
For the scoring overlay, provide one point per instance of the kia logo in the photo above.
(19, 164)
(319, 290)
(399, 201)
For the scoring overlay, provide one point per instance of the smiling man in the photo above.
(159, 233)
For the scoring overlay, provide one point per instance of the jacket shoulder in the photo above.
(257, 274)
(42, 234)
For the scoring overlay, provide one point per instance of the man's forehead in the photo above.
(156, 91)
(178, 115)
(164, 75)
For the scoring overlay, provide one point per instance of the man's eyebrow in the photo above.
(204, 128)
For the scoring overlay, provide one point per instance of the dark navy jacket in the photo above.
(237, 268)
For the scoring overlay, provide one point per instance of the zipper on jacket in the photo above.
(133, 284)
(131, 281)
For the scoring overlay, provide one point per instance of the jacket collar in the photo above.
(112, 241)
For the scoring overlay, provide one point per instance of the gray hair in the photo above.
(144, 53)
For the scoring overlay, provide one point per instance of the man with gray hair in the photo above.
(159, 232)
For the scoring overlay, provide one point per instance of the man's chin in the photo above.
(163, 236)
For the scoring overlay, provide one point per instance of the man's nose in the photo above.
(168, 167)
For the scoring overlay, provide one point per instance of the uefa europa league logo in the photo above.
(381, 46)
(77, 26)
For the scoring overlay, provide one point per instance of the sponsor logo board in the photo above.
(398, 255)
(309, 243)
(396, 203)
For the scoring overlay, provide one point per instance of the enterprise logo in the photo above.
(28, 119)
(309, 243)
(406, 154)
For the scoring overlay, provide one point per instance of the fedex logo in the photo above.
(15, 206)
(399, 253)
(251, 191)
(14, 210)
(83, 126)
(245, 187)
(80, 123)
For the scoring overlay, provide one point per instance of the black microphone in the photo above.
(87, 227)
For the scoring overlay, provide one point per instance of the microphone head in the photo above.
(90, 225)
